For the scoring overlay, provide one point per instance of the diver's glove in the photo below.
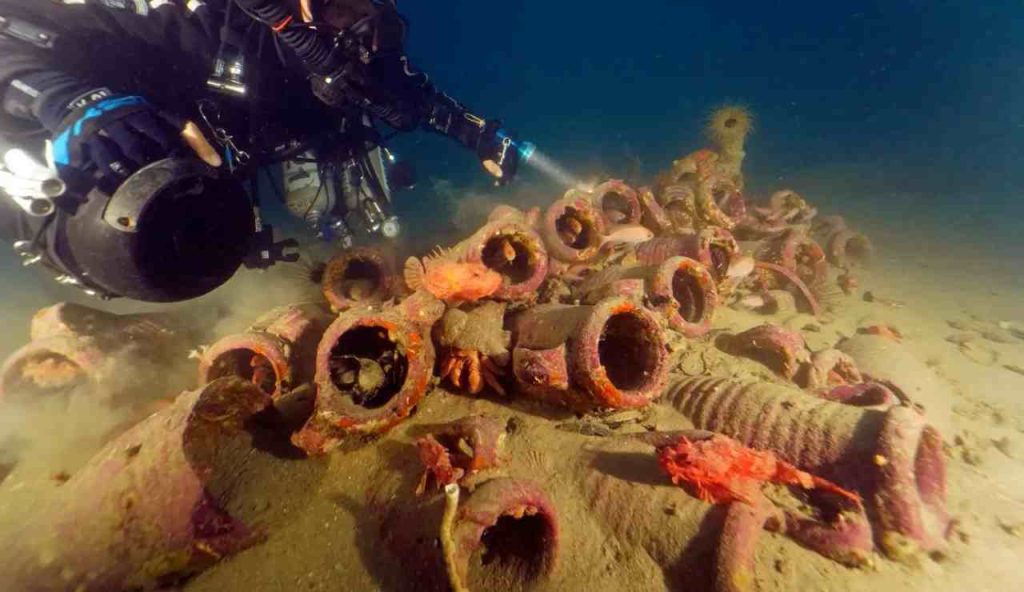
(112, 136)
(497, 149)
(499, 153)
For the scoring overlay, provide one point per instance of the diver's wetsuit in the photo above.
(167, 55)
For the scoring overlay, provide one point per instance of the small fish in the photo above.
(753, 302)
(448, 278)
(569, 230)
(630, 234)
(741, 268)
(359, 289)
(508, 252)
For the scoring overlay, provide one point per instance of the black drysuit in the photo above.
(168, 54)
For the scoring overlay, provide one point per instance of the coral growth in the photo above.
(728, 128)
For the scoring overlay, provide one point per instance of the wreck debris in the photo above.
(506, 536)
(894, 365)
(681, 289)
(679, 202)
(277, 353)
(906, 494)
(864, 394)
(827, 369)
(714, 249)
(653, 214)
(460, 451)
(610, 354)
(735, 554)
(128, 521)
(114, 356)
(572, 228)
(844, 247)
(783, 351)
(801, 288)
(618, 202)
(357, 277)
(790, 207)
(685, 293)
(513, 250)
(371, 370)
(627, 276)
(797, 252)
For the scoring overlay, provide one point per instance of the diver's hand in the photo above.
(115, 135)
(499, 153)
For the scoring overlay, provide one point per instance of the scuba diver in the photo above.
(133, 133)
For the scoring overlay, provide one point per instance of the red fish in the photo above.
(721, 470)
(448, 278)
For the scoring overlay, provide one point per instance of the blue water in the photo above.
(900, 110)
(901, 114)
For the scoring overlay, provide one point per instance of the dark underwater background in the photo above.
(907, 117)
(899, 112)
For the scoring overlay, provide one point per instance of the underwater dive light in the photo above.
(528, 154)
(551, 169)
(525, 149)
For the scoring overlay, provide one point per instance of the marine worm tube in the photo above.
(358, 276)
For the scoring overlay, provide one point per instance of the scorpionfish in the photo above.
(720, 470)
(450, 279)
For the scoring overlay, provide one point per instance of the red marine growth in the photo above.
(720, 470)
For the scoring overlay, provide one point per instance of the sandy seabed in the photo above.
(611, 499)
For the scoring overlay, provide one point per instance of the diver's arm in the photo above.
(422, 104)
(33, 35)
(19, 60)
(94, 122)
(492, 144)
